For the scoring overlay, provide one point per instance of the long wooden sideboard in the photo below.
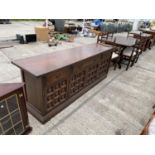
(55, 80)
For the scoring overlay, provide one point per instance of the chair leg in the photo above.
(115, 63)
(115, 66)
(128, 65)
(119, 65)
(136, 59)
(133, 61)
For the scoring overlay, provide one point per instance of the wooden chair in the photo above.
(101, 39)
(134, 34)
(151, 42)
(130, 34)
(132, 54)
(140, 46)
(110, 35)
(129, 55)
(116, 58)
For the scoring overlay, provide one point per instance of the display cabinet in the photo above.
(13, 112)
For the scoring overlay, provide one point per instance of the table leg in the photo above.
(121, 56)
(23, 80)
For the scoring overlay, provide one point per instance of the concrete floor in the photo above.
(120, 104)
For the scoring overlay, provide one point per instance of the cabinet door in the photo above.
(10, 116)
(3, 109)
(16, 117)
(1, 131)
(56, 90)
(18, 128)
(6, 123)
(12, 103)
(15, 114)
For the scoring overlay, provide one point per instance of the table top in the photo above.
(142, 34)
(122, 41)
(145, 35)
(43, 64)
(6, 88)
(147, 30)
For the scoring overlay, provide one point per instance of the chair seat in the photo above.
(114, 55)
(128, 52)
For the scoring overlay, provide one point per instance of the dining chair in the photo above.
(102, 39)
(140, 46)
(151, 42)
(131, 54)
(130, 34)
(116, 58)
(133, 34)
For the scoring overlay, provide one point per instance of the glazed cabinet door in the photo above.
(10, 116)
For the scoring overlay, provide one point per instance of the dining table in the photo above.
(123, 42)
(149, 31)
(143, 35)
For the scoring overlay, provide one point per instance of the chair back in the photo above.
(102, 37)
(140, 43)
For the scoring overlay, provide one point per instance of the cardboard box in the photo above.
(42, 33)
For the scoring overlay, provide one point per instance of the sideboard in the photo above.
(55, 80)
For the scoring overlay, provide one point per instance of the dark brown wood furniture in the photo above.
(115, 59)
(147, 126)
(103, 36)
(102, 39)
(144, 36)
(13, 112)
(122, 43)
(147, 41)
(149, 31)
(55, 80)
(130, 55)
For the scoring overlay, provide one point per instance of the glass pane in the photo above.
(12, 103)
(6, 123)
(3, 109)
(19, 128)
(1, 131)
(16, 117)
(10, 132)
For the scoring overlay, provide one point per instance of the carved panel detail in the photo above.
(61, 87)
(77, 82)
(56, 94)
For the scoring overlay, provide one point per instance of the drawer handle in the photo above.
(2, 106)
(20, 95)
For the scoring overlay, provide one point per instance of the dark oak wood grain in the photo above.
(152, 32)
(147, 30)
(53, 81)
(43, 64)
(6, 88)
(13, 111)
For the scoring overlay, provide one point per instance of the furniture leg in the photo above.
(121, 56)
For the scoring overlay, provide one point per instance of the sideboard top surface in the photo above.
(6, 88)
(43, 64)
